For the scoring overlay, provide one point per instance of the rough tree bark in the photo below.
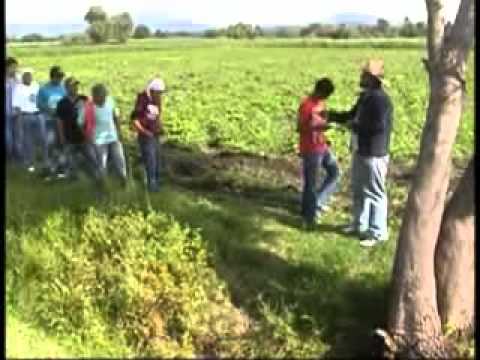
(413, 319)
(454, 257)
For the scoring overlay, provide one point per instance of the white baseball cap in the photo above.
(157, 85)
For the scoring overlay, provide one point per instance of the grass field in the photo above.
(83, 271)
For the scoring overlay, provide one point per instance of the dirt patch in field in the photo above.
(265, 178)
(230, 171)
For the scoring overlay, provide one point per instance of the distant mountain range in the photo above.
(354, 19)
(153, 23)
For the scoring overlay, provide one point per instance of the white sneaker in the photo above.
(383, 238)
(369, 242)
(368, 235)
(31, 169)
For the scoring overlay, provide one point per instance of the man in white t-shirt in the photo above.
(12, 148)
(31, 124)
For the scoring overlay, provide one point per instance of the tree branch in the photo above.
(436, 29)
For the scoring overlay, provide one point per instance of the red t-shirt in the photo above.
(312, 140)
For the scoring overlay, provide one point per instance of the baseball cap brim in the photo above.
(159, 91)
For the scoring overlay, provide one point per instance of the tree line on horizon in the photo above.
(119, 28)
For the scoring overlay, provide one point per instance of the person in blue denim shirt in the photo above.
(48, 97)
(371, 123)
(10, 82)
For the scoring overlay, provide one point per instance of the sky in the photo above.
(218, 12)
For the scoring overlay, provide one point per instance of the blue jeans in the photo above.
(82, 157)
(18, 138)
(9, 135)
(55, 152)
(370, 201)
(311, 198)
(34, 132)
(114, 152)
(150, 152)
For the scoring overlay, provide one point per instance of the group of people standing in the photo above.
(66, 129)
(58, 131)
(370, 122)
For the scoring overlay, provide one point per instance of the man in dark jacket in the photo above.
(370, 121)
(71, 135)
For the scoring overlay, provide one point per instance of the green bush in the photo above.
(32, 38)
(139, 273)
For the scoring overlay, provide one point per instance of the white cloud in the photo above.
(218, 12)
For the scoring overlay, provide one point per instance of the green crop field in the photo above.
(219, 264)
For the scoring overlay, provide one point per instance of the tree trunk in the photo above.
(414, 313)
(413, 319)
(454, 257)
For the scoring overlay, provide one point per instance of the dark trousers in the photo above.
(9, 122)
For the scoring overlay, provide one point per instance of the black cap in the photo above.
(56, 72)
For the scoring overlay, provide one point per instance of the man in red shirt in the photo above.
(315, 151)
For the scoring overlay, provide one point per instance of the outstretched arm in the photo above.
(345, 117)
(342, 117)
